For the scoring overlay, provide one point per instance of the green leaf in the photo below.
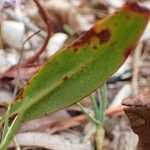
(80, 68)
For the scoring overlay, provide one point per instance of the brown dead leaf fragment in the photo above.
(26, 73)
(138, 112)
(62, 12)
(40, 140)
(41, 124)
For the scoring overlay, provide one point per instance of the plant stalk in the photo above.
(11, 132)
(100, 136)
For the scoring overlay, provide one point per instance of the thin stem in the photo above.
(16, 144)
(11, 131)
(19, 63)
(100, 134)
(48, 23)
(94, 105)
(96, 122)
(102, 97)
(99, 111)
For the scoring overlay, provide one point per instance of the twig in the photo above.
(136, 61)
(19, 63)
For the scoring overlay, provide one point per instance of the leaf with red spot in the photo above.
(80, 68)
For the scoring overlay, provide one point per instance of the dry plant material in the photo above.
(11, 73)
(47, 141)
(136, 61)
(68, 123)
(138, 112)
(61, 13)
(59, 122)
(44, 123)
(43, 48)
(26, 73)
(115, 111)
(49, 28)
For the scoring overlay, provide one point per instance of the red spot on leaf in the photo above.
(65, 78)
(84, 39)
(87, 37)
(104, 35)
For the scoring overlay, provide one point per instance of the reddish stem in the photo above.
(27, 62)
(49, 24)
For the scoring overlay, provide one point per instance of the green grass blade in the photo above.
(94, 106)
(91, 118)
(102, 94)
